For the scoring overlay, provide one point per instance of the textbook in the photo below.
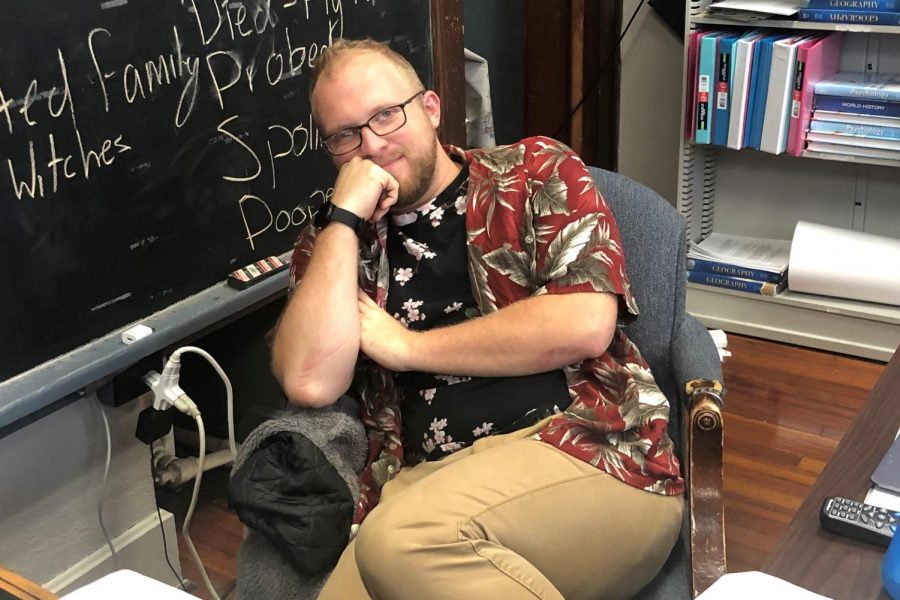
(848, 150)
(817, 59)
(866, 5)
(857, 106)
(860, 17)
(717, 268)
(864, 86)
(853, 140)
(842, 117)
(869, 131)
(736, 283)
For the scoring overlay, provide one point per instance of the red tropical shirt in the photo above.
(536, 224)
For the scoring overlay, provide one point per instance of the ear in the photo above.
(432, 104)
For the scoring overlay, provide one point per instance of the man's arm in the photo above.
(317, 338)
(530, 336)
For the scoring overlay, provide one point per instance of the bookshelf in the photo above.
(758, 194)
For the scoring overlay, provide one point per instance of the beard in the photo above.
(412, 188)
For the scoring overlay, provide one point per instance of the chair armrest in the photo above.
(703, 470)
(694, 355)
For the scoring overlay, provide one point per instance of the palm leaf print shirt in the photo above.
(430, 288)
(535, 224)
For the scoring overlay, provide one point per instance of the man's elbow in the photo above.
(598, 336)
(303, 391)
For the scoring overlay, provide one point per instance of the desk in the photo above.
(829, 564)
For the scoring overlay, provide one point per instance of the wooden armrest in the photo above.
(19, 587)
(704, 477)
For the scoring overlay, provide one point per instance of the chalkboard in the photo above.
(149, 147)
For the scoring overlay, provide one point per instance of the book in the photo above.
(736, 283)
(756, 116)
(691, 87)
(862, 17)
(842, 117)
(867, 5)
(718, 268)
(857, 106)
(848, 150)
(706, 74)
(817, 59)
(852, 140)
(865, 86)
(869, 131)
(762, 254)
(777, 117)
(743, 60)
(724, 76)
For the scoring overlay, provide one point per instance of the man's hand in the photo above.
(365, 189)
(382, 337)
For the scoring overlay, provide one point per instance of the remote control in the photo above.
(858, 520)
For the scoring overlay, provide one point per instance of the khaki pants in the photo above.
(509, 517)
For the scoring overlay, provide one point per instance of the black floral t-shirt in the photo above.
(430, 288)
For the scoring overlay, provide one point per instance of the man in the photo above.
(518, 444)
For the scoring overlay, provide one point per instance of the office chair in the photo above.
(686, 365)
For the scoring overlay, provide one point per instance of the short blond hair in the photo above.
(340, 49)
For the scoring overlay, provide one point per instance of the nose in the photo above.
(372, 144)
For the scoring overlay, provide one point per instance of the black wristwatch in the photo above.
(329, 213)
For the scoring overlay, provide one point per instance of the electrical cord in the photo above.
(109, 543)
(162, 530)
(603, 66)
(167, 393)
(185, 528)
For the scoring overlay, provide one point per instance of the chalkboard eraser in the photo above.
(255, 272)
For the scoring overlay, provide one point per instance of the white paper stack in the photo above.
(748, 252)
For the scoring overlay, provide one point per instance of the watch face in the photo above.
(323, 216)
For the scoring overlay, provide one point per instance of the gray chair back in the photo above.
(653, 238)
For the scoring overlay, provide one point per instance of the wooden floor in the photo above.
(786, 410)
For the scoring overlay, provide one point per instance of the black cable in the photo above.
(163, 529)
(603, 66)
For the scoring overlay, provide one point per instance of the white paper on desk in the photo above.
(784, 8)
(127, 584)
(848, 264)
(877, 496)
(753, 585)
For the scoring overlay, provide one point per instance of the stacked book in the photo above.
(862, 12)
(857, 114)
(746, 264)
(754, 88)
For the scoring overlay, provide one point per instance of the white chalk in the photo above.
(133, 334)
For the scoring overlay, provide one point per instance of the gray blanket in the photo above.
(263, 571)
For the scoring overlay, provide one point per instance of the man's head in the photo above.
(352, 83)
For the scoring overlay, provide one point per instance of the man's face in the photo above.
(359, 86)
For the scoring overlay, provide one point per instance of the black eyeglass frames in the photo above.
(386, 121)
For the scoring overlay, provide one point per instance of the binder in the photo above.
(764, 66)
(724, 77)
(743, 60)
(706, 75)
(778, 100)
(817, 59)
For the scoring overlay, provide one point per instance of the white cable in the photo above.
(185, 529)
(229, 395)
(109, 543)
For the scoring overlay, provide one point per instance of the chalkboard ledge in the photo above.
(70, 376)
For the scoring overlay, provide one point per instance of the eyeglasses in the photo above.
(387, 120)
